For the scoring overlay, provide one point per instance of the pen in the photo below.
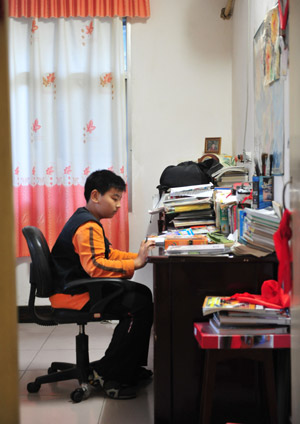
(257, 170)
(264, 158)
(146, 239)
(271, 164)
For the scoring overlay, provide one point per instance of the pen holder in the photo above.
(263, 190)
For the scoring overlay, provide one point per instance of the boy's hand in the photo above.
(141, 259)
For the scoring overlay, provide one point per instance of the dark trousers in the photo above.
(128, 349)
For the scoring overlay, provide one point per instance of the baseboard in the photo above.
(24, 316)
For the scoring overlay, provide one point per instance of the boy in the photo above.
(83, 251)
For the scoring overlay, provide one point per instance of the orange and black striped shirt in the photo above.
(88, 242)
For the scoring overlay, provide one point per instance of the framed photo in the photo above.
(212, 145)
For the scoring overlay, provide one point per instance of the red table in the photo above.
(219, 348)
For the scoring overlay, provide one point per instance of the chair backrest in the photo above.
(40, 267)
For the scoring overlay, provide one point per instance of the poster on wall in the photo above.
(268, 93)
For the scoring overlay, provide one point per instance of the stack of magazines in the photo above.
(229, 175)
(232, 317)
(190, 206)
(259, 227)
(256, 230)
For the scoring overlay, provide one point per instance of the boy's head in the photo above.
(102, 181)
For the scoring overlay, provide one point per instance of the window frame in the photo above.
(127, 63)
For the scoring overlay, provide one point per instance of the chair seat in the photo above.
(69, 316)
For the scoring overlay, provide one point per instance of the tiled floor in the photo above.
(39, 346)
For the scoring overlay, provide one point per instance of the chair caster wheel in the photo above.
(33, 387)
(77, 395)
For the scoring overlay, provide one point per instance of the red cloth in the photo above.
(272, 294)
(281, 240)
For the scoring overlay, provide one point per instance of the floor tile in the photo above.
(45, 357)
(25, 358)
(33, 336)
(132, 411)
(49, 410)
(61, 389)
(39, 346)
(64, 336)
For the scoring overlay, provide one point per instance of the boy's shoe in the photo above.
(113, 389)
(116, 390)
(143, 374)
(95, 379)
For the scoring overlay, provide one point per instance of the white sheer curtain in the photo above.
(68, 117)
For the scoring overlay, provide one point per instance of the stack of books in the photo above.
(190, 206)
(258, 227)
(229, 175)
(232, 317)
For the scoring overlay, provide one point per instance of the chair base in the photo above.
(61, 371)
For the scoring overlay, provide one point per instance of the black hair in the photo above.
(103, 181)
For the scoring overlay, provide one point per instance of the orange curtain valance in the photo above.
(80, 8)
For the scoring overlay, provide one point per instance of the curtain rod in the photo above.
(227, 11)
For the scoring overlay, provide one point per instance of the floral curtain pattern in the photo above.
(67, 117)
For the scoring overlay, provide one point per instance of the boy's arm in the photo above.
(88, 242)
(120, 254)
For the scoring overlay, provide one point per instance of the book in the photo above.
(205, 249)
(256, 245)
(213, 304)
(256, 240)
(241, 217)
(185, 208)
(201, 190)
(228, 329)
(255, 228)
(242, 319)
(232, 170)
(224, 219)
(265, 215)
(234, 178)
(197, 214)
(230, 180)
(185, 201)
(240, 249)
(192, 222)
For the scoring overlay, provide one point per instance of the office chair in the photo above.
(41, 285)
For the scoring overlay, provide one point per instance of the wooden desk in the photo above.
(180, 285)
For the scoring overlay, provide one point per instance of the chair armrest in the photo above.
(101, 290)
(90, 281)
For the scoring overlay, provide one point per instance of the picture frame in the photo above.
(212, 145)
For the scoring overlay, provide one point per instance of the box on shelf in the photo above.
(262, 191)
(185, 240)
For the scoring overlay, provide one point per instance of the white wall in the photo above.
(247, 17)
(181, 93)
